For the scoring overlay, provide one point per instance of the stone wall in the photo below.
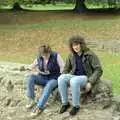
(112, 46)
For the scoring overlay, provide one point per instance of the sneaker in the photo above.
(74, 110)
(64, 108)
(30, 103)
(36, 111)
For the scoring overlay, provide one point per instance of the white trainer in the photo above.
(36, 111)
(30, 104)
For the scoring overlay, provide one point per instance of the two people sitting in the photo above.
(81, 70)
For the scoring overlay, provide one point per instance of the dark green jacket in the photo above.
(91, 66)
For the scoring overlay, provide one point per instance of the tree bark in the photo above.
(16, 7)
(80, 6)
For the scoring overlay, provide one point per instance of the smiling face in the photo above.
(76, 47)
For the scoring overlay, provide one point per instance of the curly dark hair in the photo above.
(77, 40)
(44, 49)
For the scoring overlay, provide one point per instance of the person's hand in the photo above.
(22, 68)
(88, 87)
(44, 73)
(47, 72)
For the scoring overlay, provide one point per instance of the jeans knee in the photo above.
(51, 85)
(29, 79)
(61, 79)
(74, 83)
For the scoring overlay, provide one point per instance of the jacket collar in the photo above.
(88, 52)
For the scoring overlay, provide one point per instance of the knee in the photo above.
(29, 78)
(74, 83)
(61, 79)
(52, 84)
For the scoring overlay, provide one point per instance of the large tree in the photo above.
(16, 6)
(80, 6)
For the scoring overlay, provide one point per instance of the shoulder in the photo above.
(70, 55)
(39, 57)
(92, 57)
(89, 52)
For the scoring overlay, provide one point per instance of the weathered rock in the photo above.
(104, 93)
(15, 102)
(10, 86)
(22, 68)
(1, 79)
(111, 46)
(13, 99)
(7, 102)
(116, 101)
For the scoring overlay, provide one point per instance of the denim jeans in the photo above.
(76, 83)
(48, 85)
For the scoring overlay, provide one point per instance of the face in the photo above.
(76, 47)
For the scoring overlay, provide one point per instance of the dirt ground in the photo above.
(24, 17)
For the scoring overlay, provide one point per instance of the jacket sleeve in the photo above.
(60, 63)
(68, 66)
(97, 69)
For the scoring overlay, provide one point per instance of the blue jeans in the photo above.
(44, 81)
(76, 83)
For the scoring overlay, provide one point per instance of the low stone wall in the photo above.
(112, 46)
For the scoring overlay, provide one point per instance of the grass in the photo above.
(50, 7)
(21, 34)
(103, 23)
(111, 67)
(37, 7)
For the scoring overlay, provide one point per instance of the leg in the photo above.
(63, 82)
(46, 92)
(76, 83)
(31, 80)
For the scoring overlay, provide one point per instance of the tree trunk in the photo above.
(80, 6)
(16, 7)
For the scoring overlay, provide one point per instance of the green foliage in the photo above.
(69, 1)
(5, 2)
(103, 3)
(2, 2)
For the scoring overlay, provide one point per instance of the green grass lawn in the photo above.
(37, 7)
(50, 7)
(21, 34)
(111, 67)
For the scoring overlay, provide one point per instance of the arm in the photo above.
(33, 65)
(60, 63)
(97, 69)
(68, 66)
